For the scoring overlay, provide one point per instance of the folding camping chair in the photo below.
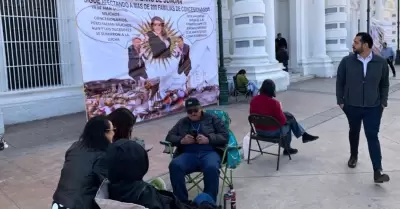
(226, 170)
(264, 120)
(240, 91)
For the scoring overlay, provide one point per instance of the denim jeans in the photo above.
(208, 163)
(251, 86)
(292, 126)
(371, 118)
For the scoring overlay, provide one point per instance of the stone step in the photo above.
(297, 77)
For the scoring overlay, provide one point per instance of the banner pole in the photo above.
(223, 81)
(368, 16)
(397, 62)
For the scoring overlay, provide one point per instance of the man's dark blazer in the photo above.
(136, 64)
(185, 64)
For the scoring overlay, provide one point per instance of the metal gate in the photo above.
(30, 37)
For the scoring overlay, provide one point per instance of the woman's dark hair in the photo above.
(123, 121)
(159, 19)
(268, 88)
(127, 162)
(241, 72)
(93, 135)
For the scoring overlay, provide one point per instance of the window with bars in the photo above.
(258, 19)
(258, 43)
(331, 41)
(331, 10)
(331, 26)
(31, 43)
(242, 20)
(242, 44)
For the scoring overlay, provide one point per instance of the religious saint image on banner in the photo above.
(147, 56)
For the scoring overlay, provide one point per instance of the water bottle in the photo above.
(233, 198)
(227, 198)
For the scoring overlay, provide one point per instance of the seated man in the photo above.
(265, 104)
(200, 139)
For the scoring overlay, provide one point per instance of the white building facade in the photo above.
(40, 69)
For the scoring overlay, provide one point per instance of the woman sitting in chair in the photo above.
(265, 104)
(244, 83)
(128, 163)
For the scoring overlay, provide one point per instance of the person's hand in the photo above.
(341, 106)
(142, 51)
(188, 139)
(201, 139)
(146, 38)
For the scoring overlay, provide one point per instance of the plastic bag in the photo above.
(246, 144)
(233, 155)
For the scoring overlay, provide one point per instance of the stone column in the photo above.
(248, 29)
(298, 42)
(336, 22)
(320, 63)
(270, 26)
(226, 15)
(318, 28)
(249, 41)
(3, 75)
(1, 123)
(3, 80)
(363, 15)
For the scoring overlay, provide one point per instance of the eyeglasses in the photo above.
(191, 111)
(158, 24)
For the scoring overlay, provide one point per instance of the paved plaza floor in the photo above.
(317, 177)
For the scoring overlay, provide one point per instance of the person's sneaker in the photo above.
(2, 146)
(352, 163)
(290, 151)
(309, 138)
(380, 177)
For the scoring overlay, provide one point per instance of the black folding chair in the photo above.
(264, 120)
(240, 91)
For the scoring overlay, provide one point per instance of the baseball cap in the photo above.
(192, 103)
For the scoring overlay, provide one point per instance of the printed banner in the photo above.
(378, 35)
(147, 55)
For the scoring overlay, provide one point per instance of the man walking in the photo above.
(388, 54)
(280, 42)
(362, 89)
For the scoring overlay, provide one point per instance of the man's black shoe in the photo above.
(290, 151)
(309, 138)
(352, 162)
(380, 177)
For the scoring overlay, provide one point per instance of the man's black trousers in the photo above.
(371, 119)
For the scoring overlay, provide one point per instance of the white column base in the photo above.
(1, 123)
(37, 104)
(337, 56)
(261, 71)
(319, 66)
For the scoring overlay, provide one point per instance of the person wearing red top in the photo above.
(265, 104)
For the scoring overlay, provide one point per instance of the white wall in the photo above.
(33, 104)
(282, 16)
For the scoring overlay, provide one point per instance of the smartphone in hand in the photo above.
(194, 134)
